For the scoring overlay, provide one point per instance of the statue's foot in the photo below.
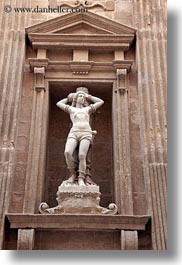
(81, 182)
(72, 179)
(89, 181)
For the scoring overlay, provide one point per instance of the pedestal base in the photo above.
(78, 200)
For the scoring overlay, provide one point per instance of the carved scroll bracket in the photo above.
(121, 78)
(121, 72)
(107, 5)
(38, 66)
(39, 78)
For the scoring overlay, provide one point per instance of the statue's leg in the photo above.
(71, 144)
(83, 150)
(88, 162)
(88, 178)
(75, 156)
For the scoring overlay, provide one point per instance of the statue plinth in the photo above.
(78, 200)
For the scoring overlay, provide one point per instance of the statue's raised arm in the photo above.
(63, 103)
(97, 101)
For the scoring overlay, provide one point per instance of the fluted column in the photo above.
(150, 18)
(12, 55)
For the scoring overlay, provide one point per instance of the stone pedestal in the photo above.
(78, 200)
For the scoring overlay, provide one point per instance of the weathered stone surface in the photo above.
(78, 222)
(143, 178)
(129, 240)
(25, 239)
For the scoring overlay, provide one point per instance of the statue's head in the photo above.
(81, 88)
(80, 96)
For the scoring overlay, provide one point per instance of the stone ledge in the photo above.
(78, 222)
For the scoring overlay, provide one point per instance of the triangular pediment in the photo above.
(81, 23)
(82, 28)
(78, 30)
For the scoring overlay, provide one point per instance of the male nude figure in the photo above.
(81, 133)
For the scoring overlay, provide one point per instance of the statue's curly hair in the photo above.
(85, 104)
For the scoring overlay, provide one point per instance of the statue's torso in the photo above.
(80, 118)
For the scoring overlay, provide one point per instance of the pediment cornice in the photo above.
(59, 23)
(102, 31)
(48, 41)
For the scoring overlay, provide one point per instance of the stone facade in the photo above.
(118, 50)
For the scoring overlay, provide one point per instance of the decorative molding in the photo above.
(88, 28)
(38, 63)
(83, 221)
(81, 68)
(106, 5)
(48, 41)
(122, 66)
(68, 20)
(50, 34)
(61, 66)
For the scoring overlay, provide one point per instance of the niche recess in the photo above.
(102, 150)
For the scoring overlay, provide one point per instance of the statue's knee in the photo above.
(67, 154)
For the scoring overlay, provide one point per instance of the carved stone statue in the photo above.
(81, 134)
(88, 177)
(78, 195)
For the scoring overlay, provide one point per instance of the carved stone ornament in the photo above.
(81, 68)
(78, 200)
(106, 5)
